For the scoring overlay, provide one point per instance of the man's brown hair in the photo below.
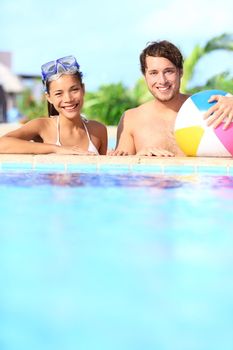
(161, 49)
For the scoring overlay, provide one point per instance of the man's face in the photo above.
(162, 78)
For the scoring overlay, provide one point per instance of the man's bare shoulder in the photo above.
(138, 111)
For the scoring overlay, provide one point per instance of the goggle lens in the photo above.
(64, 64)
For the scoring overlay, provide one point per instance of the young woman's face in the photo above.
(66, 94)
(162, 78)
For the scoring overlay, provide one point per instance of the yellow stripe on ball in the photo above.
(189, 139)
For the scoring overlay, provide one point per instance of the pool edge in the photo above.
(127, 163)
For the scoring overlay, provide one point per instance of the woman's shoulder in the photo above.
(38, 125)
(39, 121)
(95, 125)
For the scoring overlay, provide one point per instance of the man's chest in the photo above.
(154, 130)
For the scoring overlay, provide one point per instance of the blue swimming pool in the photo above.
(116, 261)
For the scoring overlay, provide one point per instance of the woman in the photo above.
(67, 131)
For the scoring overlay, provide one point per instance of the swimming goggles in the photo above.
(65, 64)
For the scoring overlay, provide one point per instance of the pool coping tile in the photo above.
(171, 165)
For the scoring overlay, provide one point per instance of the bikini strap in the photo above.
(85, 127)
(58, 143)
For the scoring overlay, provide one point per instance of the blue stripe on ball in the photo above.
(201, 98)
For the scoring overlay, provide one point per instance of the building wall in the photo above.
(6, 58)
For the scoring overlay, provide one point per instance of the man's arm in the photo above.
(222, 111)
(125, 142)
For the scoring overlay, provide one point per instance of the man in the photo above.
(148, 129)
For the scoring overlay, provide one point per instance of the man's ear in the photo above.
(181, 73)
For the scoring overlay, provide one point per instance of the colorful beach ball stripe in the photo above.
(193, 135)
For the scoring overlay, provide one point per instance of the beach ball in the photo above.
(192, 134)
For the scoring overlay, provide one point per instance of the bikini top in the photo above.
(91, 146)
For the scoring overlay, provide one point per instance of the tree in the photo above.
(222, 81)
(140, 92)
(108, 103)
(31, 108)
(222, 42)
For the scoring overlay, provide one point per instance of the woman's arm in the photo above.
(9, 144)
(19, 140)
(104, 140)
(99, 136)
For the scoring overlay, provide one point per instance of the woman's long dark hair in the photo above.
(51, 109)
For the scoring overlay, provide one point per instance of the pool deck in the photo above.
(190, 165)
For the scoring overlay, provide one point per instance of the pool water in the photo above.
(116, 261)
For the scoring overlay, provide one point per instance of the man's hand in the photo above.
(156, 152)
(117, 152)
(222, 111)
